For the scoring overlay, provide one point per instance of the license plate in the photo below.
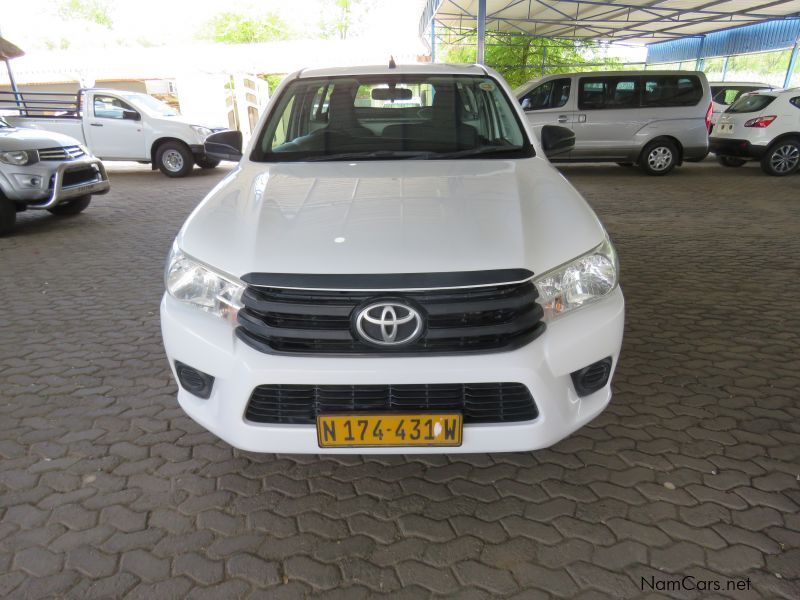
(371, 430)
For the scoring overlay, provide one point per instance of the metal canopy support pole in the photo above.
(725, 68)
(700, 62)
(481, 31)
(433, 40)
(14, 88)
(792, 63)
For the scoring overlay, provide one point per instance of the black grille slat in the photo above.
(478, 402)
(476, 319)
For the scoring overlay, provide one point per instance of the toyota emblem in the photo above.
(388, 323)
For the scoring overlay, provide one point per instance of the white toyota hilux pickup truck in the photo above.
(117, 125)
(45, 171)
(382, 277)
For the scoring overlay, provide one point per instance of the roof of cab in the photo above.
(419, 69)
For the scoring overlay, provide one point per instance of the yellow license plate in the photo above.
(370, 430)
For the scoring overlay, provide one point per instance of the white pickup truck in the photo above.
(116, 125)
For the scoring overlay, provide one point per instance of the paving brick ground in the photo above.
(108, 491)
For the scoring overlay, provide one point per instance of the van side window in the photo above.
(795, 101)
(671, 90)
(551, 94)
(599, 93)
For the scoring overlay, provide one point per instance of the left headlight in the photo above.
(19, 157)
(203, 132)
(192, 282)
(579, 282)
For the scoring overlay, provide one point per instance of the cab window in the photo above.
(109, 107)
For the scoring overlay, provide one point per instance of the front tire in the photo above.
(174, 159)
(730, 161)
(73, 207)
(8, 215)
(206, 163)
(659, 157)
(782, 158)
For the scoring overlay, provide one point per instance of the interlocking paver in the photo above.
(107, 489)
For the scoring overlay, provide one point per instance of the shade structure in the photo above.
(631, 21)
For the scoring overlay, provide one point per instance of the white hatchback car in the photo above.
(393, 279)
(763, 125)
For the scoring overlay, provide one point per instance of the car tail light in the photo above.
(761, 121)
(709, 114)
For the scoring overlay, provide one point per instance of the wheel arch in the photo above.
(162, 140)
(673, 139)
(789, 135)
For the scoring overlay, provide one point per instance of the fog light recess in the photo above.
(592, 378)
(194, 381)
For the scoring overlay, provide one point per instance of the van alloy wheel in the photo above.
(660, 158)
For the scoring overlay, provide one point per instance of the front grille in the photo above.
(79, 176)
(478, 402)
(475, 319)
(61, 153)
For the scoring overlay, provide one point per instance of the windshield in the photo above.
(750, 103)
(391, 117)
(152, 105)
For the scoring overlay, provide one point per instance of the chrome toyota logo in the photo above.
(388, 323)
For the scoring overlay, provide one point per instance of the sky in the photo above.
(31, 24)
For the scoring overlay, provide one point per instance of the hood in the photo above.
(187, 120)
(391, 217)
(15, 138)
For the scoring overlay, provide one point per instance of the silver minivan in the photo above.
(653, 119)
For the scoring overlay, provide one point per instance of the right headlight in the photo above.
(195, 283)
(579, 282)
(19, 157)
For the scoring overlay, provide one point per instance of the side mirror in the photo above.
(557, 140)
(131, 115)
(526, 104)
(224, 145)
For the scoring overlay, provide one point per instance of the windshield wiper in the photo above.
(478, 152)
(376, 155)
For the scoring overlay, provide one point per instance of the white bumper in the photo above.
(208, 343)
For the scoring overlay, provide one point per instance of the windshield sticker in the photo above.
(487, 86)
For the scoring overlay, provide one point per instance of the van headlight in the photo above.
(579, 282)
(192, 282)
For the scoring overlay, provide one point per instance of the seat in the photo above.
(445, 129)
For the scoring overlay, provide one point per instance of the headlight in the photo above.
(19, 157)
(195, 283)
(203, 132)
(579, 282)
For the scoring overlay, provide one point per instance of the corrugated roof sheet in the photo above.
(761, 37)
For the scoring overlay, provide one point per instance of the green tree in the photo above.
(522, 58)
(341, 18)
(93, 11)
(236, 28)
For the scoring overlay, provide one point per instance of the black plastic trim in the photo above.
(592, 377)
(387, 281)
(194, 380)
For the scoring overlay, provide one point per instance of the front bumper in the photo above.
(733, 147)
(208, 343)
(53, 189)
